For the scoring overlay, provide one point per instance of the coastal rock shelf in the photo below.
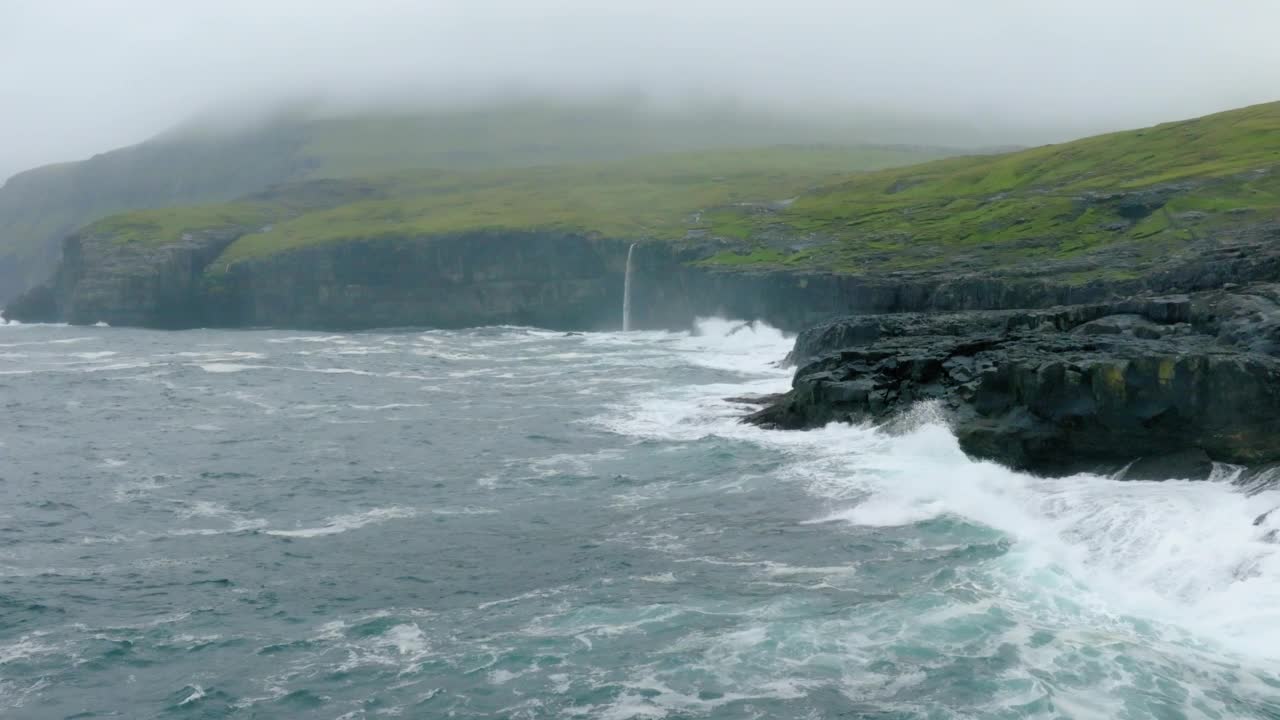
(1173, 383)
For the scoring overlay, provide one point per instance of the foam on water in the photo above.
(1183, 553)
(343, 523)
(500, 542)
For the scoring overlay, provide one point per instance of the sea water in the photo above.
(516, 523)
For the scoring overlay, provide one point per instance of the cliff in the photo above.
(41, 207)
(216, 161)
(787, 235)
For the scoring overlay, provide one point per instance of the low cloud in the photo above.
(80, 77)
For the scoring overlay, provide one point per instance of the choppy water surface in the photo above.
(511, 523)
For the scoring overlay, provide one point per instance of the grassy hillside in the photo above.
(651, 197)
(195, 165)
(655, 197)
(1153, 191)
(40, 207)
(1128, 198)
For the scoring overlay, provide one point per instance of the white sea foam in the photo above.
(465, 510)
(196, 694)
(1186, 554)
(307, 339)
(342, 523)
(25, 648)
(226, 367)
(407, 639)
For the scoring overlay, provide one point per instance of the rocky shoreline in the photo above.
(1158, 386)
(1165, 371)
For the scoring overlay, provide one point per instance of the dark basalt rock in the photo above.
(572, 281)
(37, 305)
(1174, 383)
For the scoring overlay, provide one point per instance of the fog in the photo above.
(81, 77)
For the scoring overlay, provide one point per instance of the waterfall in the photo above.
(626, 291)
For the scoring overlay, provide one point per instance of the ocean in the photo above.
(516, 523)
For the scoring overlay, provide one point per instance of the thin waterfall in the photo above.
(626, 291)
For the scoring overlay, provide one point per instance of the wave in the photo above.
(342, 523)
(1182, 553)
(16, 324)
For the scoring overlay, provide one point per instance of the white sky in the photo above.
(83, 76)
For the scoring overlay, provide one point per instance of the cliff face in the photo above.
(672, 284)
(103, 280)
(547, 279)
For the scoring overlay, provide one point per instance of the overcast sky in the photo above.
(82, 76)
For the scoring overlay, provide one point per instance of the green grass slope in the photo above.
(650, 198)
(1152, 191)
(1105, 206)
(199, 165)
(657, 197)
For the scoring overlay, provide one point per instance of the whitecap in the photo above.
(407, 639)
(665, 578)
(465, 510)
(197, 693)
(342, 523)
(224, 367)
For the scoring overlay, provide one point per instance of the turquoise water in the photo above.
(512, 523)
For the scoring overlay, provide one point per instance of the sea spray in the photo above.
(626, 291)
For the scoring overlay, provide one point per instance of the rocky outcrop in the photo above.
(1179, 381)
(101, 279)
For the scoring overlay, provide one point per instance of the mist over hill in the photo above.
(220, 157)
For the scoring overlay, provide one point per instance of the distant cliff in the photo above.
(549, 279)
(215, 163)
(41, 207)
(783, 234)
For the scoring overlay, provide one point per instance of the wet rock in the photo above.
(755, 400)
(1189, 464)
(1174, 383)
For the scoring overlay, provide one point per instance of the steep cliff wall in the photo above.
(101, 279)
(547, 279)
(672, 284)
(573, 282)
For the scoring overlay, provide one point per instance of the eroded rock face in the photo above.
(1057, 391)
(101, 279)
(572, 281)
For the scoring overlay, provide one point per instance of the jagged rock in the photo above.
(1178, 381)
